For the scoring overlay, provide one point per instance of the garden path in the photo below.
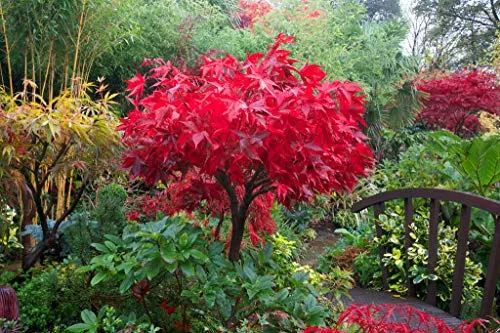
(325, 237)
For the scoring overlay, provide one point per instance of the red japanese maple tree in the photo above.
(455, 99)
(250, 10)
(243, 134)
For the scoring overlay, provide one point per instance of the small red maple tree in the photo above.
(242, 134)
(455, 99)
(250, 11)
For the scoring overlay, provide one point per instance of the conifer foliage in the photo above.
(242, 134)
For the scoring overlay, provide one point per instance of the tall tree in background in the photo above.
(382, 9)
(457, 32)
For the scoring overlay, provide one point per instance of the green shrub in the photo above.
(108, 217)
(395, 143)
(171, 262)
(51, 298)
(9, 242)
(10, 326)
(107, 321)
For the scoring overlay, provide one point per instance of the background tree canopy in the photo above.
(458, 33)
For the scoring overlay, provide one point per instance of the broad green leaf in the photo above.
(152, 268)
(198, 254)
(81, 328)
(100, 247)
(188, 268)
(89, 317)
(98, 278)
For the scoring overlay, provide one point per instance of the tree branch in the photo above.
(60, 154)
(224, 181)
(262, 191)
(262, 182)
(40, 158)
(494, 11)
(249, 186)
(456, 15)
(219, 226)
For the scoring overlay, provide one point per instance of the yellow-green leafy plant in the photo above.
(50, 152)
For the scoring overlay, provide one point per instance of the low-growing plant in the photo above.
(352, 243)
(9, 241)
(181, 280)
(371, 318)
(476, 160)
(107, 321)
(85, 228)
(367, 270)
(50, 298)
(10, 326)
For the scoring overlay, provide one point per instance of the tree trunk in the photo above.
(32, 257)
(238, 223)
(26, 240)
(28, 214)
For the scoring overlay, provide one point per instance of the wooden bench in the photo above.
(468, 201)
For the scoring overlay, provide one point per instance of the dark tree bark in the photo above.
(28, 214)
(49, 236)
(238, 224)
(258, 184)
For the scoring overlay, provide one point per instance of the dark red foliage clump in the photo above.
(9, 308)
(454, 100)
(250, 11)
(395, 318)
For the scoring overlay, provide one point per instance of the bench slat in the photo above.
(379, 209)
(458, 277)
(493, 273)
(433, 249)
(409, 242)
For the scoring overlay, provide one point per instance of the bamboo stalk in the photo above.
(47, 68)
(25, 71)
(79, 35)
(68, 199)
(7, 49)
(66, 72)
(33, 65)
(61, 187)
(51, 84)
(1, 76)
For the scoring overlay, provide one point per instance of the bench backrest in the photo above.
(468, 200)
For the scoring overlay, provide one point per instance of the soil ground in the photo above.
(325, 237)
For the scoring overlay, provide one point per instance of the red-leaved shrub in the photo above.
(250, 11)
(394, 318)
(454, 99)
